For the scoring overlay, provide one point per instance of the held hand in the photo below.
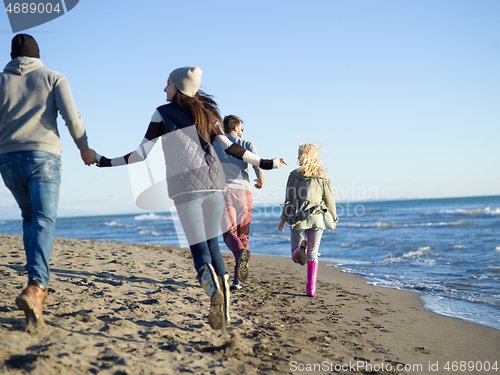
(259, 182)
(281, 162)
(282, 226)
(88, 156)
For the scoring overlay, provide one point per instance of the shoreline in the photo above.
(138, 309)
(422, 296)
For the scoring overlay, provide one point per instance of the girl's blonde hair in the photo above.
(309, 160)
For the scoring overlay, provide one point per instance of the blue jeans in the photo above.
(200, 214)
(34, 178)
(313, 237)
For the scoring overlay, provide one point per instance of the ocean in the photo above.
(446, 249)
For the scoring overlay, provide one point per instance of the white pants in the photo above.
(313, 237)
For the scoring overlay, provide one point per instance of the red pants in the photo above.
(236, 219)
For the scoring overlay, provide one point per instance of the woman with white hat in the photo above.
(188, 126)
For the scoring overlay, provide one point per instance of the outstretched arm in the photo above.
(155, 130)
(259, 173)
(241, 153)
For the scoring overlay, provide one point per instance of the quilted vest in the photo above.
(191, 161)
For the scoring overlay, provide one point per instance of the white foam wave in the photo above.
(473, 212)
(282, 236)
(438, 224)
(151, 217)
(457, 211)
(349, 245)
(149, 232)
(259, 221)
(495, 211)
(351, 225)
(382, 225)
(479, 277)
(369, 225)
(411, 255)
(115, 224)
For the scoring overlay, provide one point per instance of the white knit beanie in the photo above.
(187, 79)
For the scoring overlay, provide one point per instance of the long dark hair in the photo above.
(204, 111)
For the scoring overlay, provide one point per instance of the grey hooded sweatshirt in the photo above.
(30, 98)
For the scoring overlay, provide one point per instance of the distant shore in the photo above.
(120, 308)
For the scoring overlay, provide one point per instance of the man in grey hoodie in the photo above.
(30, 158)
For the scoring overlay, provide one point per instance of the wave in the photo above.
(496, 211)
(372, 209)
(151, 217)
(116, 224)
(427, 250)
(435, 291)
(381, 225)
(438, 224)
(150, 232)
(370, 225)
(281, 236)
(349, 245)
(259, 221)
(473, 212)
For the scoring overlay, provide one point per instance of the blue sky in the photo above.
(405, 95)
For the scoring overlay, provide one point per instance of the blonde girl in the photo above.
(309, 209)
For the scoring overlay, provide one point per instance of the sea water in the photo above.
(446, 249)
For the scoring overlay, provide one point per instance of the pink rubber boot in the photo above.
(312, 274)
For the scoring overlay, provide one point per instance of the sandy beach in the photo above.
(119, 308)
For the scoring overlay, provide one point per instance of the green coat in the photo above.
(309, 202)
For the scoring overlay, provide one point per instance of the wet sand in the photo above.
(119, 308)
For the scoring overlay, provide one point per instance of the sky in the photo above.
(403, 95)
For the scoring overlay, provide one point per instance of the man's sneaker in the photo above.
(242, 271)
(237, 285)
